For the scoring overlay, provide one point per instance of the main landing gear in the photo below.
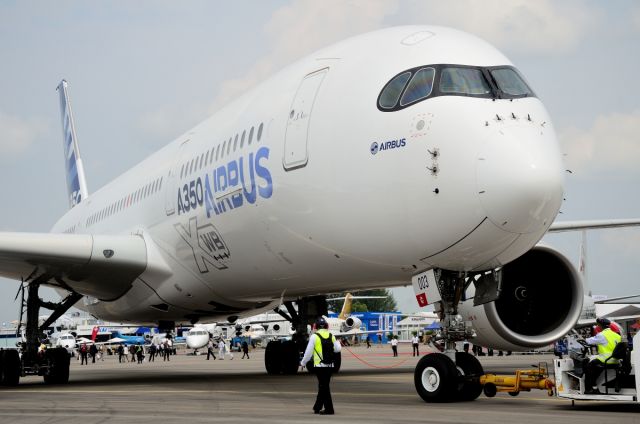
(449, 376)
(51, 364)
(283, 356)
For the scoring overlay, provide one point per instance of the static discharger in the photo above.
(523, 380)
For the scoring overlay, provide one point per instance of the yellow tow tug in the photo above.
(522, 381)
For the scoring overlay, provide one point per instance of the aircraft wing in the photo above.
(356, 332)
(96, 265)
(557, 227)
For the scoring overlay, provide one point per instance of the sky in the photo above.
(142, 73)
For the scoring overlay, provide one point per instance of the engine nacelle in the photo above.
(351, 323)
(540, 302)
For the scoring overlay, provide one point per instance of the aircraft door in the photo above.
(171, 186)
(296, 154)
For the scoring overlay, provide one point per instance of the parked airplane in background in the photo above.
(199, 335)
(441, 165)
(63, 339)
(129, 340)
(344, 322)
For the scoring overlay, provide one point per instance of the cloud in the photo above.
(609, 148)
(17, 134)
(542, 25)
(168, 123)
(301, 28)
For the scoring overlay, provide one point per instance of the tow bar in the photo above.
(523, 380)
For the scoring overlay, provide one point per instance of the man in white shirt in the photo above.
(394, 345)
(322, 364)
(415, 342)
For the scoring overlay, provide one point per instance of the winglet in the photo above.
(76, 182)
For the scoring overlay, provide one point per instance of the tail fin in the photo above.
(346, 307)
(76, 182)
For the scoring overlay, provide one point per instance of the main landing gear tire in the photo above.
(58, 366)
(272, 355)
(469, 372)
(10, 367)
(281, 358)
(436, 378)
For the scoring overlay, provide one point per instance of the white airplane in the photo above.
(344, 323)
(63, 339)
(199, 335)
(413, 152)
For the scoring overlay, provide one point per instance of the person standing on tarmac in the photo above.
(319, 347)
(210, 351)
(415, 342)
(394, 345)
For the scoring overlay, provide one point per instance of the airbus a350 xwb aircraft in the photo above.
(372, 161)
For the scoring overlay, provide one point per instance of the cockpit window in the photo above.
(466, 81)
(426, 82)
(510, 83)
(391, 93)
(420, 86)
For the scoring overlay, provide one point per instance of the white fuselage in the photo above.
(306, 208)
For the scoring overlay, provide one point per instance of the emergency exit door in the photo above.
(296, 154)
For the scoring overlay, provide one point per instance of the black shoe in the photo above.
(592, 392)
(316, 411)
(325, 412)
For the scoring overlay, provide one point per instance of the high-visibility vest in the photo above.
(605, 351)
(317, 348)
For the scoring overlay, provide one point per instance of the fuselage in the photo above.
(306, 185)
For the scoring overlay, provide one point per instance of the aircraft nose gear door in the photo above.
(295, 141)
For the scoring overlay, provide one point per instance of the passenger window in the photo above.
(259, 132)
(466, 81)
(510, 83)
(420, 86)
(217, 151)
(206, 159)
(250, 135)
(235, 144)
(391, 93)
(229, 147)
(224, 145)
(244, 133)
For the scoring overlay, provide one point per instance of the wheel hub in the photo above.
(430, 379)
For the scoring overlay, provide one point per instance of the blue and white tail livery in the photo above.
(76, 183)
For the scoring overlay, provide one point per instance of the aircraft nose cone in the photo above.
(520, 178)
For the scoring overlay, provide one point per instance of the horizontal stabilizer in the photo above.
(95, 265)
(557, 227)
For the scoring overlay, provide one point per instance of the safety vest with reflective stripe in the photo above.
(317, 348)
(605, 351)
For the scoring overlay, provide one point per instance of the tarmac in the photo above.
(372, 387)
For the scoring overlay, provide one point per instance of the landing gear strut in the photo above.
(283, 357)
(450, 376)
(51, 364)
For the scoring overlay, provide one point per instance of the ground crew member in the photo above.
(323, 371)
(415, 342)
(606, 341)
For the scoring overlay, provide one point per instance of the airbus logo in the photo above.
(387, 145)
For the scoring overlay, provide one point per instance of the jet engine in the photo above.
(540, 301)
(351, 323)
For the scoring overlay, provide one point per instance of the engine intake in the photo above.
(351, 323)
(540, 302)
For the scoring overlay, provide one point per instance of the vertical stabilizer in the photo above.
(582, 267)
(346, 307)
(76, 182)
